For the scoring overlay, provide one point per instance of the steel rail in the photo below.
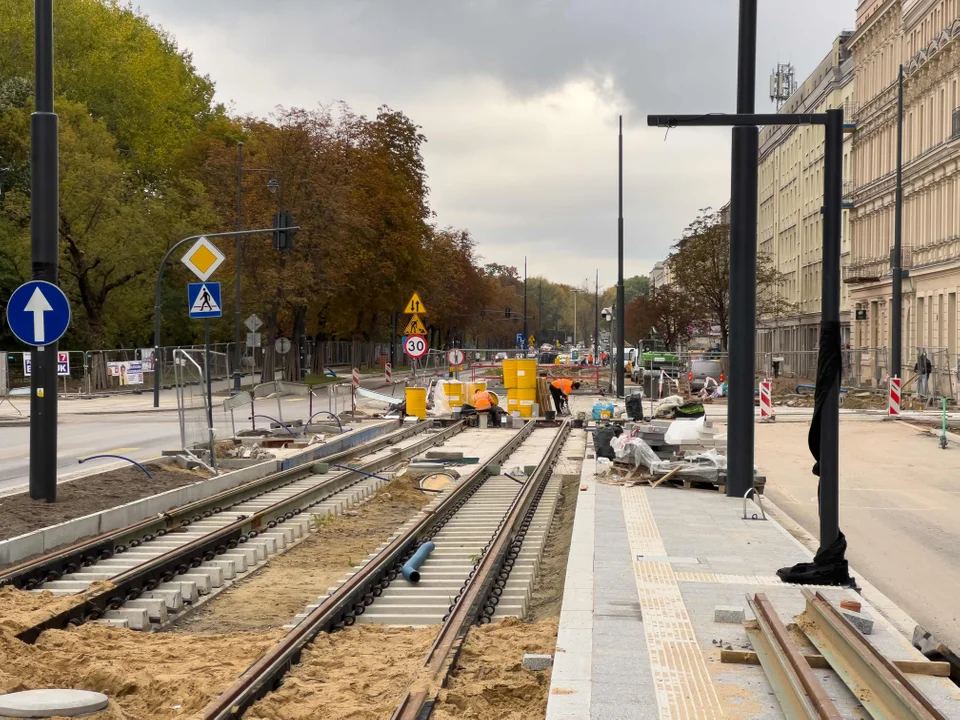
(875, 681)
(33, 573)
(351, 598)
(145, 577)
(420, 699)
(798, 690)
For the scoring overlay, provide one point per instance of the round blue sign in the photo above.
(38, 313)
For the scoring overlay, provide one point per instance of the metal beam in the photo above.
(735, 120)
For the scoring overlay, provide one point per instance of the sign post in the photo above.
(204, 303)
(38, 314)
(415, 328)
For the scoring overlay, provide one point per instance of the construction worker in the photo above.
(483, 401)
(560, 390)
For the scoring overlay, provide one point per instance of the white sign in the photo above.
(148, 359)
(253, 323)
(282, 346)
(130, 372)
(455, 356)
(203, 258)
(415, 346)
(253, 339)
(63, 364)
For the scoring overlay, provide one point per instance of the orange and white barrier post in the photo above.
(893, 407)
(388, 372)
(354, 385)
(766, 404)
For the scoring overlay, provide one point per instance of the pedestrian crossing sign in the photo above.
(203, 299)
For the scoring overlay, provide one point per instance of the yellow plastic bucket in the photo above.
(509, 373)
(417, 402)
(527, 374)
(453, 389)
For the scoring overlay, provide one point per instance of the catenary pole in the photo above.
(596, 318)
(741, 343)
(896, 334)
(44, 252)
(236, 279)
(620, 310)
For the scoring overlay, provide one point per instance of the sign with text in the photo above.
(63, 364)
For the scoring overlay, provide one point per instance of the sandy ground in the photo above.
(20, 609)
(490, 682)
(547, 596)
(360, 673)
(19, 514)
(147, 676)
(899, 501)
(283, 587)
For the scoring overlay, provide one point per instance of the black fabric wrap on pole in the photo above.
(829, 566)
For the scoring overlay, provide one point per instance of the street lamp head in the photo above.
(273, 186)
(607, 314)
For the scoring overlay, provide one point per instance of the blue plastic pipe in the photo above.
(325, 412)
(411, 567)
(119, 457)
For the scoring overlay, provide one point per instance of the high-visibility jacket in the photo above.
(564, 385)
(482, 400)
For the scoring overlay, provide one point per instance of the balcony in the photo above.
(848, 191)
(869, 270)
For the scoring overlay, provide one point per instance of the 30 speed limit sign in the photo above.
(415, 346)
(455, 356)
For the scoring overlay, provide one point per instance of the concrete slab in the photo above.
(52, 703)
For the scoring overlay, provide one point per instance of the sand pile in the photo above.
(147, 676)
(20, 609)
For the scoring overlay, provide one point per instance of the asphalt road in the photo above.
(899, 500)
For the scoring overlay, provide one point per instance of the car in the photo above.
(700, 370)
(500, 356)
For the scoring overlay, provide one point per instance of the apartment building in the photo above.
(661, 275)
(790, 224)
(923, 36)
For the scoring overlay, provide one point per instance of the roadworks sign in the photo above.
(415, 327)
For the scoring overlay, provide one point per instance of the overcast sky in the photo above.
(519, 101)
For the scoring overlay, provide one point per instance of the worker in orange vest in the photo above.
(560, 390)
(483, 401)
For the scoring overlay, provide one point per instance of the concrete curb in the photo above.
(45, 539)
(880, 602)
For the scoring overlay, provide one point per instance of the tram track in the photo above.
(159, 567)
(481, 586)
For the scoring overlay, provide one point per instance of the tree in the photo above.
(700, 265)
(673, 313)
(634, 287)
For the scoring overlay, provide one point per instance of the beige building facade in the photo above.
(923, 36)
(790, 224)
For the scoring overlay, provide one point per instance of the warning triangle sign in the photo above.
(205, 302)
(415, 306)
(415, 327)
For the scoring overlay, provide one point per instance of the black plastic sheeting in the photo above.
(829, 566)
(601, 440)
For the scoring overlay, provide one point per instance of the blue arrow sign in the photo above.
(204, 300)
(38, 313)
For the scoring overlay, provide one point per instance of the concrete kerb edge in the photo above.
(897, 617)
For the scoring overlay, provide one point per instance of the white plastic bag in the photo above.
(684, 432)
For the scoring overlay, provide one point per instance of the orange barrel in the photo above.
(417, 402)
(527, 374)
(509, 373)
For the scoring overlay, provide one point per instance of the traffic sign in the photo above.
(455, 356)
(415, 306)
(38, 313)
(521, 340)
(203, 258)
(415, 346)
(532, 340)
(253, 339)
(253, 323)
(63, 364)
(203, 299)
(415, 327)
(282, 346)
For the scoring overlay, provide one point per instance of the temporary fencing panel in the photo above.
(197, 433)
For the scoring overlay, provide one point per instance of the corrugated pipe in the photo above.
(411, 567)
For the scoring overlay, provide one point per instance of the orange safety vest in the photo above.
(482, 400)
(563, 385)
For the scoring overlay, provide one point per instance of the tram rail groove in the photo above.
(145, 577)
(33, 573)
(340, 608)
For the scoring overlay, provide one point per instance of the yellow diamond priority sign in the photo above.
(203, 258)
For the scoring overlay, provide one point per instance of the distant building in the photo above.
(661, 275)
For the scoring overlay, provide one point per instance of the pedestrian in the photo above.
(560, 390)
(923, 368)
(483, 401)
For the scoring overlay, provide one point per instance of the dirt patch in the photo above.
(147, 676)
(547, 596)
(20, 514)
(490, 682)
(360, 673)
(282, 588)
(20, 609)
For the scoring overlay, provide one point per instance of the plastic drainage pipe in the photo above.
(252, 417)
(324, 412)
(411, 567)
(118, 457)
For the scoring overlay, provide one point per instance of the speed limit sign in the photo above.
(455, 356)
(415, 346)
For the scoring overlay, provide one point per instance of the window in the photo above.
(956, 123)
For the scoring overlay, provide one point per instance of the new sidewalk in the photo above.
(647, 570)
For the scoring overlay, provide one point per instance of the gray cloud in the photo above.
(505, 89)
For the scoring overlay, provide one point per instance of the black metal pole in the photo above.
(206, 372)
(524, 302)
(44, 251)
(830, 328)
(540, 310)
(896, 334)
(620, 309)
(741, 343)
(236, 281)
(393, 339)
(596, 319)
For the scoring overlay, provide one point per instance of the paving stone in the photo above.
(728, 614)
(537, 662)
(860, 621)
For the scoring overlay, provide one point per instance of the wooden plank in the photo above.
(913, 667)
(667, 476)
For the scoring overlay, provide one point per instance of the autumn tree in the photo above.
(700, 265)
(671, 312)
